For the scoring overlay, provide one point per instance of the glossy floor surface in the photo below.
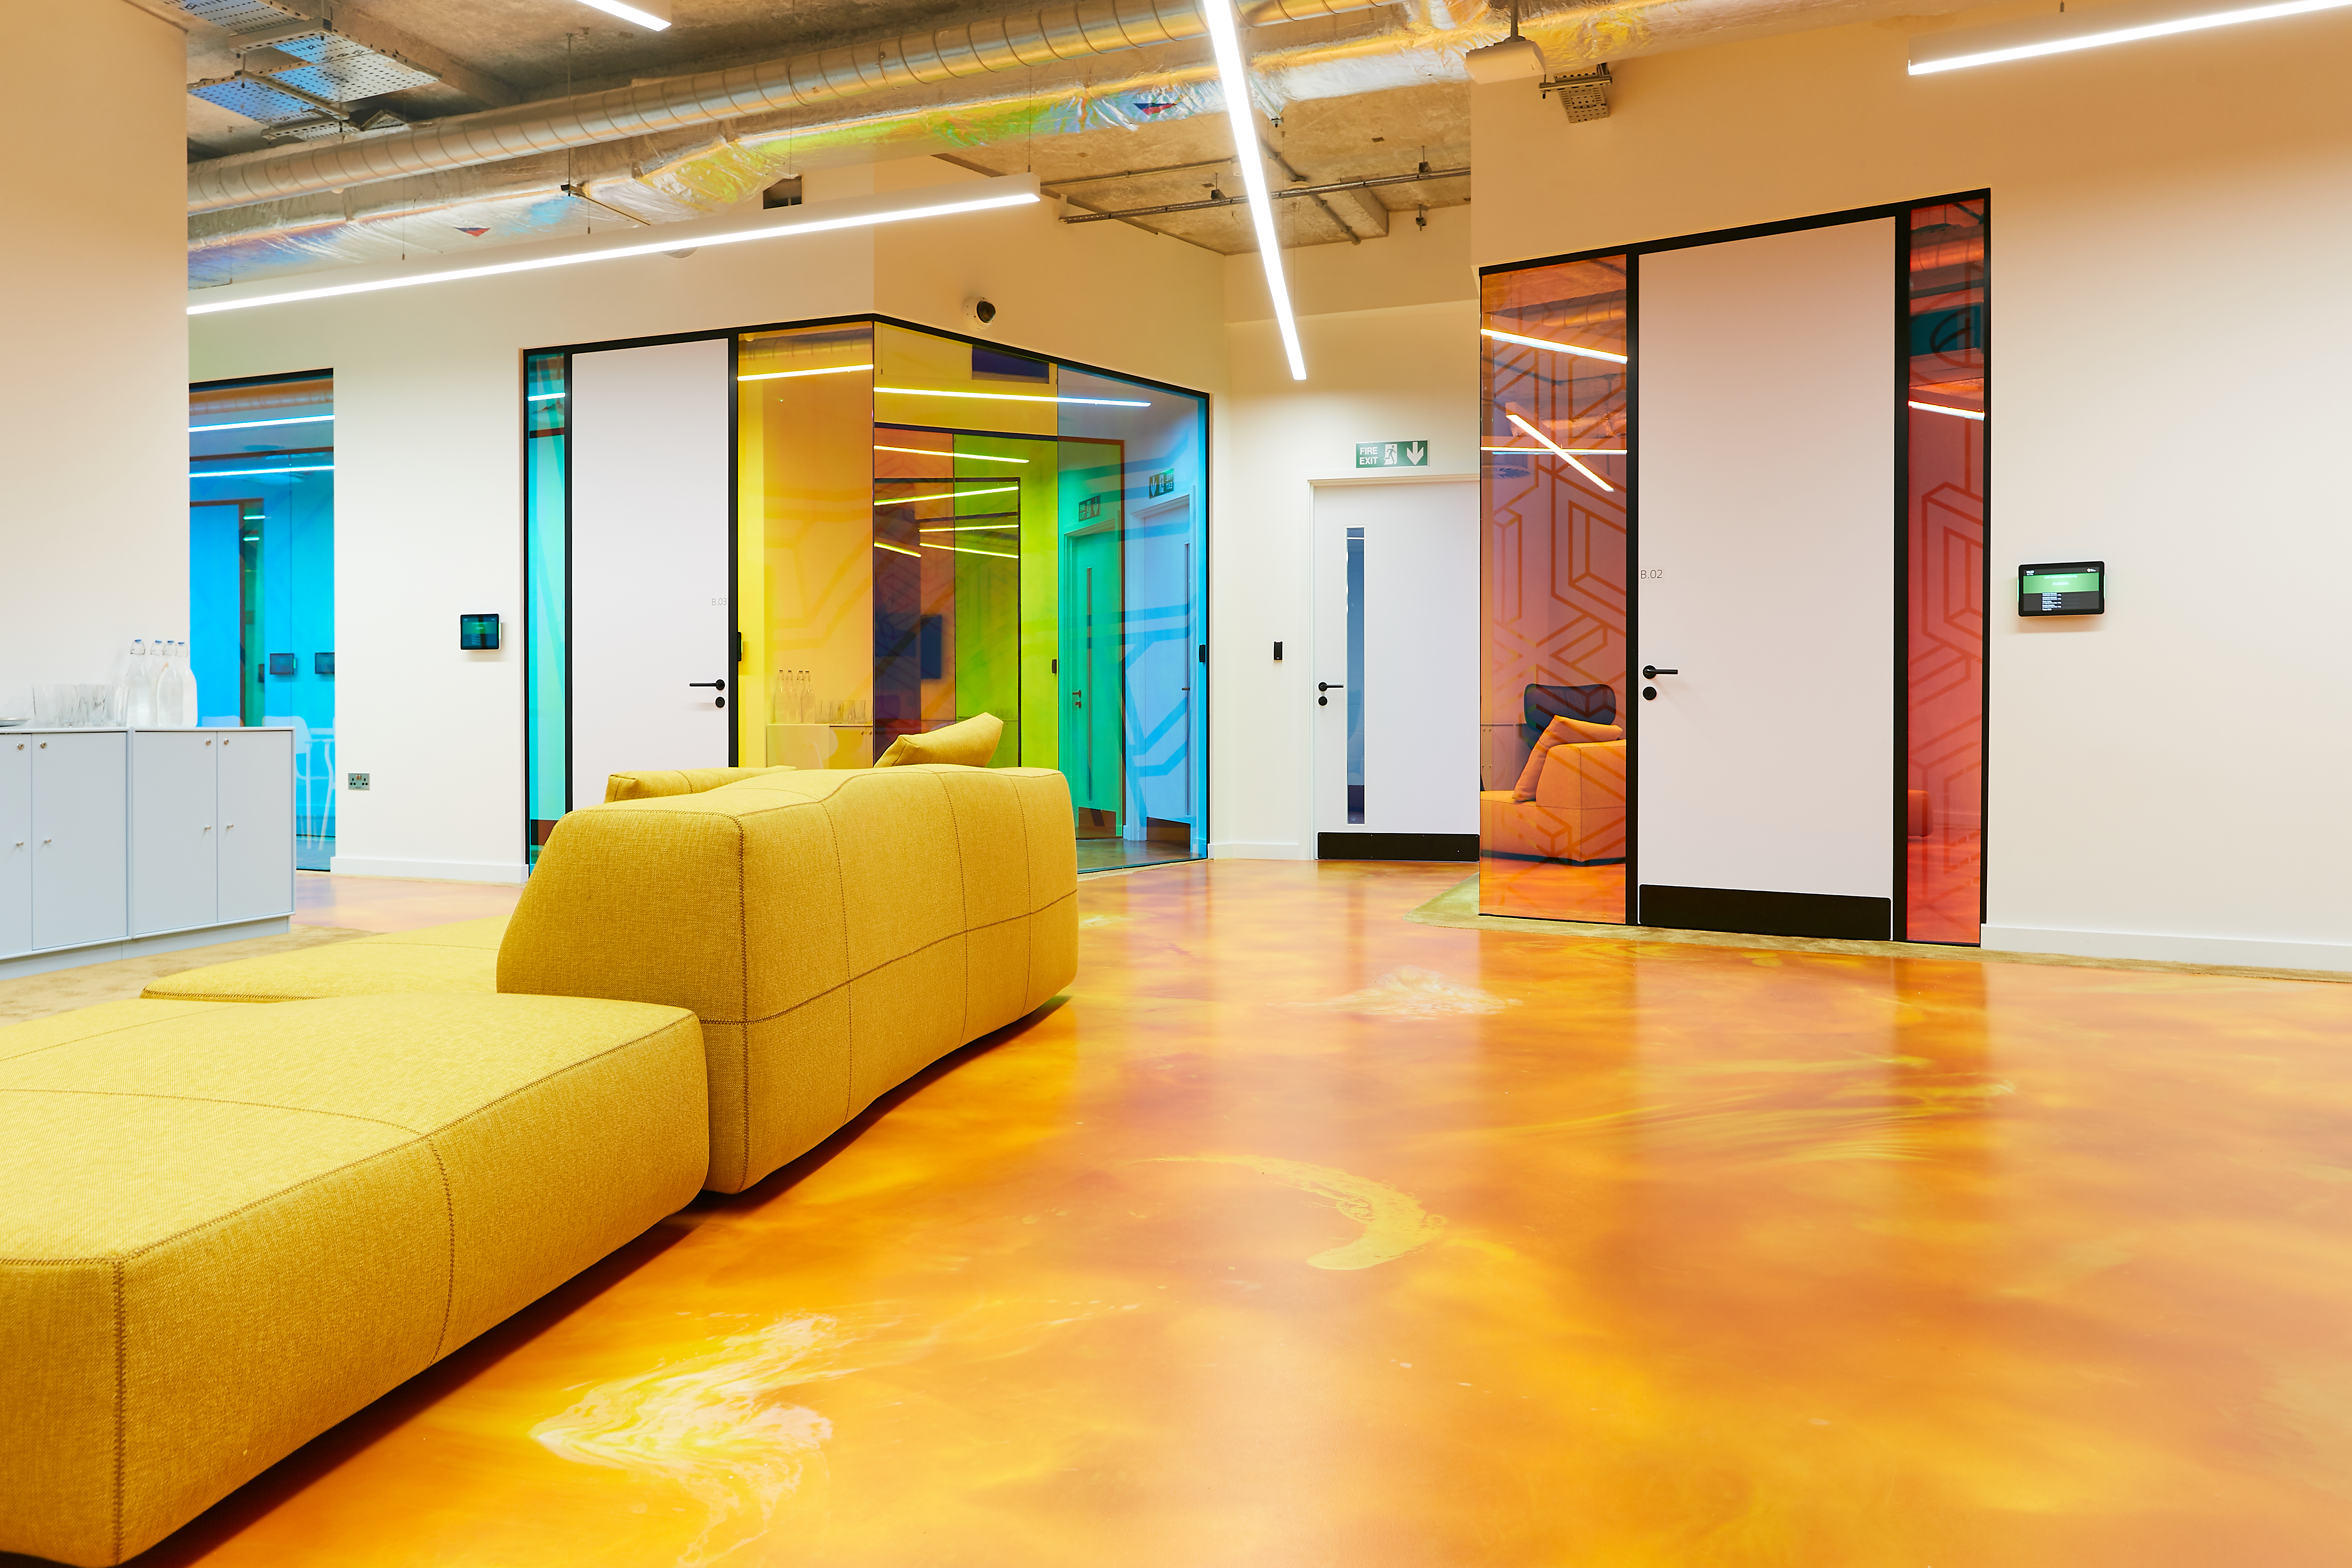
(1301, 1235)
(395, 903)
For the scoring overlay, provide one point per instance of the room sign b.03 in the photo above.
(1391, 454)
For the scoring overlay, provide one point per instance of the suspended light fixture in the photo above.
(1947, 408)
(651, 14)
(2068, 31)
(816, 217)
(1232, 73)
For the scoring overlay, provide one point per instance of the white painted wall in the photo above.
(429, 493)
(2167, 266)
(1390, 328)
(93, 408)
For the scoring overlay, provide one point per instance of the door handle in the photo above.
(1328, 685)
(716, 685)
(1652, 672)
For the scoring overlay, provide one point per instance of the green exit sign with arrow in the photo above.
(1391, 454)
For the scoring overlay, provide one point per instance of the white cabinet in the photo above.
(174, 837)
(79, 842)
(151, 838)
(16, 843)
(256, 823)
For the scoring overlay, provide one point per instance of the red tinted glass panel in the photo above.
(1554, 592)
(1945, 524)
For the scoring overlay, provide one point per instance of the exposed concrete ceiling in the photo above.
(1322, 142)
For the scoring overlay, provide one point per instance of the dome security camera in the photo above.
(979, 310)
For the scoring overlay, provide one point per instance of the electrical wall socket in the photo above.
(355, 781)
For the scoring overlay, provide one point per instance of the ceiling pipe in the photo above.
(1050, 36)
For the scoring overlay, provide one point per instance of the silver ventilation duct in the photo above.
(1054, 36)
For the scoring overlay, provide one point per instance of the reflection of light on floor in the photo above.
(1749, 1257)
(1102, 854)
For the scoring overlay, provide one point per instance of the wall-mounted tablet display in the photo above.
(2063, 588)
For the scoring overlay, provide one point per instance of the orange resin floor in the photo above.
(1304, 1236)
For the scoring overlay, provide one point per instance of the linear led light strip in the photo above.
(1557, 451)
(1016, 397)
(245, 473)
(259, 424)
(926, 452)
(946, 495)
(788, 374)
(1572, 451)
(2068, 41)
(957, 549)
(541, 396)
(1232, 75)
(1943, 408)
(1000, 190)
(1571, 347)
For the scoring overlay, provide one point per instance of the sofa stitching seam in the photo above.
(84, 1039)
(209, 1100)
(863, 973)
(850, 1001)
(449, 1219)
(122, 1414)
(743, 948)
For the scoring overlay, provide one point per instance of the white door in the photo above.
(174, 837)
(1766, 419)
(1396, 665)
(15, 844)
(256, 825)
(79, 889)
(650, 625)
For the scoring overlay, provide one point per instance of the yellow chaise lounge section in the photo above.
(835, 932)
(229, 1228)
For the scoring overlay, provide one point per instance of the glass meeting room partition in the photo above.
(875, 530)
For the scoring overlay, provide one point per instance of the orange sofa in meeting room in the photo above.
(1569, 801)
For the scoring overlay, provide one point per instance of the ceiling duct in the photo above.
(296, 75)
(1057, 36)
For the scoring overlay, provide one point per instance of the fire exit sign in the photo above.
(1391, 454)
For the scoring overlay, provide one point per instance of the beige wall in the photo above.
(429, 492)
(93, 409)
(2168, 264)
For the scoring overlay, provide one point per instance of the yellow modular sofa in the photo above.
(835, 932)
(227, 1228)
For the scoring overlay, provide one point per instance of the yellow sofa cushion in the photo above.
(970, 744)
(228, 1228)
(837, 931)
(462, 957)
(661, 784)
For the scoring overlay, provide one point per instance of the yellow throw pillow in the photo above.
(1561, 731)
(970, 744)
(656, 784)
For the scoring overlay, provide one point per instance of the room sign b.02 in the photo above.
(1391, 454)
